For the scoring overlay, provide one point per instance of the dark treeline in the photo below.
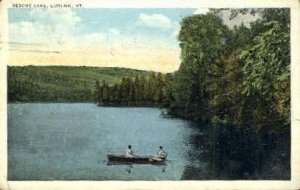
(137, 91)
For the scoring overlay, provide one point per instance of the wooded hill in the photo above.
(61, 83)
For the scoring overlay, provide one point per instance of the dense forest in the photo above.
(61, 83)
(137, 91)
(239, 75)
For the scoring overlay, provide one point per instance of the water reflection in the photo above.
(129, 167)
(197, 155)
(230, 152)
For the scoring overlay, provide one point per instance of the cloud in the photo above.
(58, 29)
(51, 26)
(160, 21)
(156, 21)
(201, 11)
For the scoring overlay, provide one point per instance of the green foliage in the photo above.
(137, 91)
(267, 61)
(201, 41)
(267, 73)
(240, 76)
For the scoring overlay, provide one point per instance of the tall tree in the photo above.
(201, 48)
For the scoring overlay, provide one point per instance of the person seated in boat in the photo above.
(129, 152)
(161, 153)
(160, 156)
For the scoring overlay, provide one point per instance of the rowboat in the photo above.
(122, 159)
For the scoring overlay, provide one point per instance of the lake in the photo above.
(65, 141)
(71, 141)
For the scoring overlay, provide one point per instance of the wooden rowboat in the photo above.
(121, 159)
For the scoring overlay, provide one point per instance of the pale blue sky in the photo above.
(153, 24)
(134, 38)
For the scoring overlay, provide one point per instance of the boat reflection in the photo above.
(129, 166)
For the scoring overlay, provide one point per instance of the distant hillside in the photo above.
(61, 83)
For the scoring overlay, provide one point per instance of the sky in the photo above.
(142, 39)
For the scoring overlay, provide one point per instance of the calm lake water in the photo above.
(71, 141)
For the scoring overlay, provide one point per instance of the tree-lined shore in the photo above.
(239, 75)
(138, 91)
